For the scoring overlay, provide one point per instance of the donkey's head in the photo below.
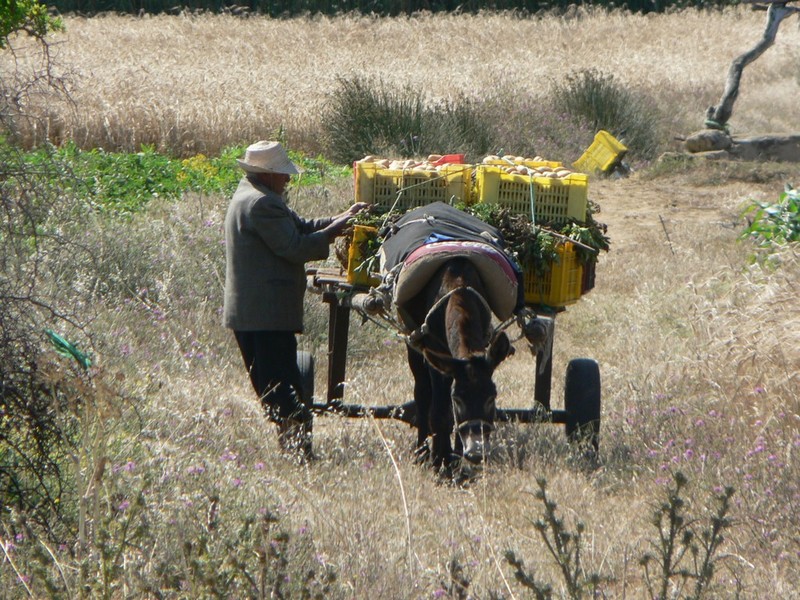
(473, 393)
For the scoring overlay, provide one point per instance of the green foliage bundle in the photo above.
(537, 245)
(595, 98)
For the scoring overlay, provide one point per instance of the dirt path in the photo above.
(638, 210)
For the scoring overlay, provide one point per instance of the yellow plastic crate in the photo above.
(554, 199)
(412, 188)
(507, 160)
(561, 285)
(357, 272)
(602, 154)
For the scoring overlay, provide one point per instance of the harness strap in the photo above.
(484, 425)
(416, 336)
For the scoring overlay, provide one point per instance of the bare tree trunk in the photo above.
(717, 116)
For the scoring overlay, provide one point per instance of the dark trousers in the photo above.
(271, 360)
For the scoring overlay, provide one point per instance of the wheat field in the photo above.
(699, 347)
(195, 83)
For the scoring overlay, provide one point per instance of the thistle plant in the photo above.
(684, 549)
(565, 547)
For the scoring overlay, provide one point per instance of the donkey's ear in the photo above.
(499, 350)
(444, 363)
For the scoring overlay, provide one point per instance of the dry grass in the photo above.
(699, 352)
(195, 84)
(699, 356)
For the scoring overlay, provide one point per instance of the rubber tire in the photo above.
(582, 403)
(305, 363)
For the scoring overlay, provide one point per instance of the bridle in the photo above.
(415, 339)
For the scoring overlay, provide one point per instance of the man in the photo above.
(267, 246)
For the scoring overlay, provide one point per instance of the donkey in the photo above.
(452, 361)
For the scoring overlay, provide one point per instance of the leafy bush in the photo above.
(125, 183)
(26, 15)
(774, 224)
(595, 98)
(369, 117)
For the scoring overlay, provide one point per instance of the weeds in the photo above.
(684, 550)
(565, 548)
(370, 117)
(596, 98)
(124, 183)
(774, 224)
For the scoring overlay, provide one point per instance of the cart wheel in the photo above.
(582, 403)
(305, 363)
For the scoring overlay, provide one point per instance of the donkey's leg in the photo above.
(422, 398)
(441, 414)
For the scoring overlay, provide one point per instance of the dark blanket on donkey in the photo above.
(434, 222)
(438, 222)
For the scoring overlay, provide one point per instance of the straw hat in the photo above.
(268, 157)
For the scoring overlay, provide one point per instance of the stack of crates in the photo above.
(553, 199)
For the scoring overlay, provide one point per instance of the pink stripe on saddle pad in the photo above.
(493, 267)
(464, 248)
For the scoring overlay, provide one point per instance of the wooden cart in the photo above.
(581, 412)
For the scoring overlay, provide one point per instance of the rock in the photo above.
(708, 140)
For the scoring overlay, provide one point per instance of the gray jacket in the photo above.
(267, 245)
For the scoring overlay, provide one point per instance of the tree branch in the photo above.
(717, 116)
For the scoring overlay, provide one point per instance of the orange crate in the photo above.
(562, 284)
(554, 199)
(411, 188)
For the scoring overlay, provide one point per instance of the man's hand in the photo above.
(342, 220)
(353, 210)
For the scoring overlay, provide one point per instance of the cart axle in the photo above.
(408, 413)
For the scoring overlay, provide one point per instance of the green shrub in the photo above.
(774, 224)
(369, 117)
(527, 125)
(28, 16)
(365, 117)
(595, 98)
(456, 126)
